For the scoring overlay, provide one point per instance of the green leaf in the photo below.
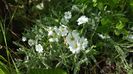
(94, 3)
(116, 1)
(4, 68)
(2, 58)
(105, 21)
(120, 25)
(1, 37)
(100, 6)
(117, 32)
(131, 3)
(46, 71)
(103, 29)
(1, 71)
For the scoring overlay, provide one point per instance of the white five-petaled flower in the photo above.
(75, 47)
(39, 48)
(72, 40)
(83, 19)
(67, 15)
(75, 43)
(31, 42)
(24, 39)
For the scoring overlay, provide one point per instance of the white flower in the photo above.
(53, 40)
(103, 36)
(50, 31)
(83, 42)
(63, 30)
(83, 19)
(75, 43)
(24, 39)
(72, 36)
(75, 47)
(72, 39)
(40, 6)
(39, 48)
(68, 15)
(31, 42)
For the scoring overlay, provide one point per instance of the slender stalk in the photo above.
(5, 41)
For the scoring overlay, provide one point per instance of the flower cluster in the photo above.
(62, 42)
(38, 47)
(68, 15)
(73, 40)
(54, 32)
(31, 42)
